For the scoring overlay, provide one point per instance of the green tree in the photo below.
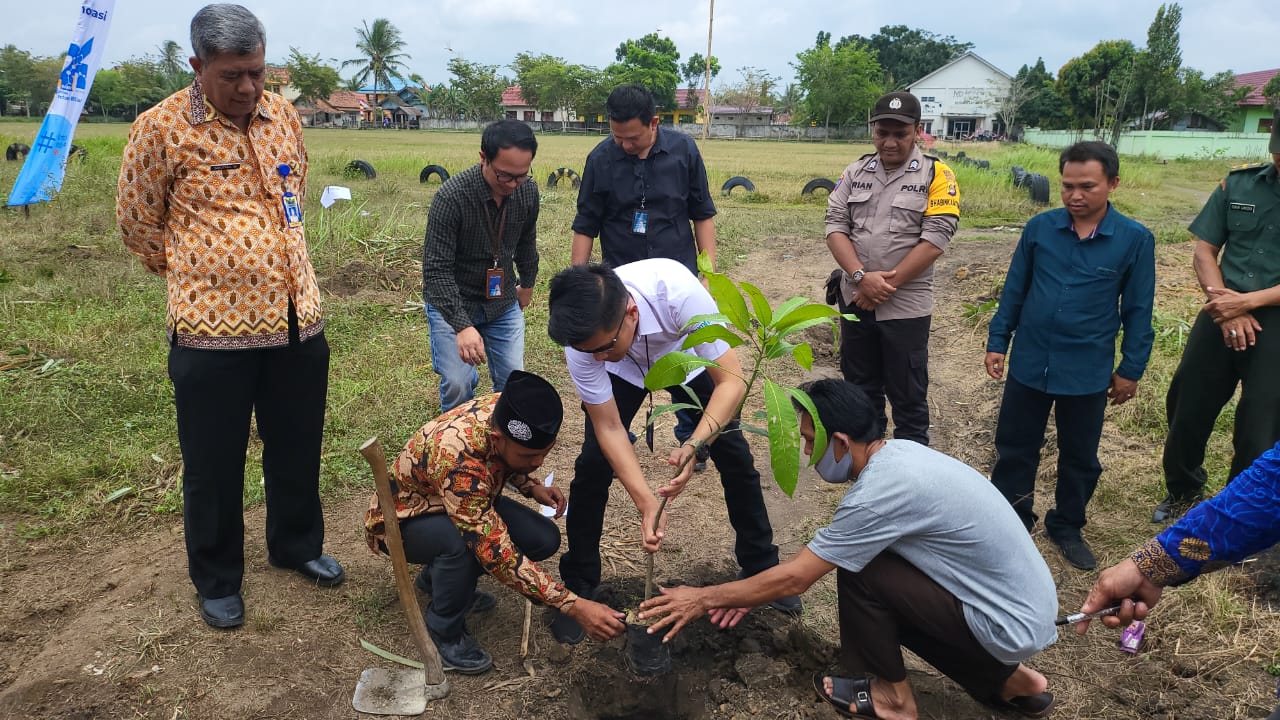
(549, 83)
(444, 102)
(1271, 91)
(651, 61)
(694, 73)
(17, 78)
(141, 84)
(105, 96)
(1158, 80)
(908, 54)
(1215, 97)
(1044, 107)
(310, 77)
(479, 88)
(381, 57)
(173, 67)
(839, 84)
(1098, 87)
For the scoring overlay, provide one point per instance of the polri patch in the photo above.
(1244, 207)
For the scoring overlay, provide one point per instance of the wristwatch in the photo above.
(857, 275)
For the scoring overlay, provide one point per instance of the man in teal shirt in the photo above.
(1236, 336)
(1077, 275)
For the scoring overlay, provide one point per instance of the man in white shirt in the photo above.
(614, 324)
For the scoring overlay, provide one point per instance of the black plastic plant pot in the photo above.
(647, 654)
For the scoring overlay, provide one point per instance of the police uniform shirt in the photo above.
(668, 297)
(887, 213)
(1242, 217)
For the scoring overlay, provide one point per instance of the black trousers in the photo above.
(1024, 412)
(215, 393)
(433, 540)
(1206, 379)
(891, 604)
(589, 493)
(890, 358)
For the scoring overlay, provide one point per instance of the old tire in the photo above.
(360, 166)
(1039, 185)
(430, 170)
(737, 181)
(816, 183)
(559, 174)
(16, 151)
(1019, 175)
(984, 164)
(77, 152)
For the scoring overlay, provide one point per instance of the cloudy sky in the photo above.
(1238, 35)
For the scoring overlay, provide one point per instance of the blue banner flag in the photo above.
(41, 175)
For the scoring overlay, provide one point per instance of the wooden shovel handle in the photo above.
(372, 452)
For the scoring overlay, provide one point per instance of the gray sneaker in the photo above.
(1171, 509)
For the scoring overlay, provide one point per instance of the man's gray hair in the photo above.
(224, 27)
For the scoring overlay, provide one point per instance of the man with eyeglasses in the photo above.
(614, 324)
(479, 263)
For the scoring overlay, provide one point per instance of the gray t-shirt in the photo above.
(949, 521)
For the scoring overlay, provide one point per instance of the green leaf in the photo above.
(117, 495)
(710, 333)
(777, 347)
(806, 325)
(758, 301)
(809, 311)
(389, 655)
(672, 369)
(714, 318)
(704, 264)
(789, 305)
(754, 429)
(819, 432)
(803, 354)
(730, 301)
(671, 407)
(784, 436)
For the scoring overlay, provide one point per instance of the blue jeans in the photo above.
(503, 349)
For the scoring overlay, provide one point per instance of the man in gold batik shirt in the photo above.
(210, 198)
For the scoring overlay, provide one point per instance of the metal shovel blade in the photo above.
(391, 692)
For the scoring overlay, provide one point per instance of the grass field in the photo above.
(88, 408)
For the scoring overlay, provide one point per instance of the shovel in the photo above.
(399, 692)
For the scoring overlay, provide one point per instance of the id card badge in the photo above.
(292, 211)
(640, 223)
(494, 282)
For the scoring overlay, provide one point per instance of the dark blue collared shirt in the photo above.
(1065, 299)
(672, 184)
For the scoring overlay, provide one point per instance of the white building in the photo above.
(959, 99)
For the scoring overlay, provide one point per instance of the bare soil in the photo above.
(104, 623)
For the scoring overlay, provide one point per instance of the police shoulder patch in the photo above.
(1248, 166)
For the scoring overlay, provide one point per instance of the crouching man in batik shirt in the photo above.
(455, 521)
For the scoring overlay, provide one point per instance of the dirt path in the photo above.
(104, 625)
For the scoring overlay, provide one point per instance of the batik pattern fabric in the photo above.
(201, 202)
(1240, 521)
(449, 466)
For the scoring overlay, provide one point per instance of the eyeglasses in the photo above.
(506, 177)
(609, 346)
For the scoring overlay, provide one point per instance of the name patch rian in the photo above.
(1244, 207)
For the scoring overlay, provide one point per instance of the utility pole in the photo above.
(706, 88)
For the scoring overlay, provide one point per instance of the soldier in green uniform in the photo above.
(1236, 336)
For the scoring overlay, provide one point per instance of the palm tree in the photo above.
(172, 65)
(381, 59)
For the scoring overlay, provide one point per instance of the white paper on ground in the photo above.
(546, 510)
(334, 193)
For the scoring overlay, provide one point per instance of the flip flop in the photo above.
(1030, 706)
(847, 693)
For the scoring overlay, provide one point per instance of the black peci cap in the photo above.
(529, 410)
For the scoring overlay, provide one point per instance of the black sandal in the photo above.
(1030, 706)
(847, 693)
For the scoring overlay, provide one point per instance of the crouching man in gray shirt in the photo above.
(927, 556)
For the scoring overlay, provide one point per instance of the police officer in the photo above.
(891, 215)
(1236, 336)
